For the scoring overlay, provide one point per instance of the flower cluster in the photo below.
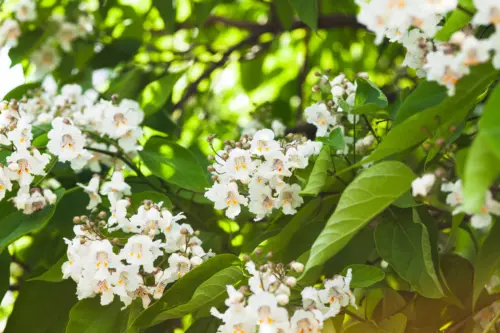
(106, 266)
(455, 198)
(78, 124)
(262, 305)
(415, 23)
(47, 57)
(262, 168)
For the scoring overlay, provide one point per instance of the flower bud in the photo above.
(76, 220)
(282, 299)
(102, 215)
(210, 168)
(184, 231)
(290, 281)
(297, 267)
(440, 142)
(258, 252)
(246, 257)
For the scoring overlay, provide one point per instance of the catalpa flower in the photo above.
(227, 196)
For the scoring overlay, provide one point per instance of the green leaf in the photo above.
(364, 276)
(29, 41)
(42, 307)
(481, 169)
(126, 85)
(167, 12)
(20, 91)
(53, 274)
(89, 316)
(285, 13)
(182, 291)
(455, 21)
(406, 247)
(18, 224)
(482, 164)
(118, 50)
(427, 94)
(4, 273)
(409, 133)
(335, 140)
(366, 327)
(203, 9)
(156, 197)
(394, 324)
(368, 195)
(210, 293)
(174, 163)
(205, 325)
(307, 12)
(279, 242)
(487, 261)
(157, 93)
(369, 98)
(319, 173)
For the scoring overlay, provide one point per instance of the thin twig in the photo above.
(370, 127)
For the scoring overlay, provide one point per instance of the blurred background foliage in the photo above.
(202, 67)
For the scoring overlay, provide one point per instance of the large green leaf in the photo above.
(455, 21)
(20, 91)
(405, 245)
(156, 94)
(174, 163)
(4, 273)
(285, 13)
(487, 261)
(481, 169)
(364, 276)
(369, 98)
(394, 324)
(89, 316)
(53, 274)
(42, 307)
(482, 164)
(409, 133)
(210, 293)
(18, 224)
(427, 94)
(317, 178)
(167, 12)
(307, 12)
(368, 195)
(118, 50)
(182, 291)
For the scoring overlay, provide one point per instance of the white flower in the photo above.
(126, 279)
(239, 165)
(119, 120)
(276, 164)
(101, 258)
(474, 51)
(23, 166)
(289, 199)
(65, 140)
(178, 265)
(338, 294)
(25, 10)
(263, 143)
(92, 189)
(295, 159)
(319, 115)
(262, 202)
(49, 196)
(21, 136)
(494, 42)
(5, 183)
(488, 12)
(46, 58)
(76, 253)
(445, 69)
(141, 250)
(364, 144)
(66, 34)
(9, 33)
(265, 305)
(226, 196)
(117, 187)
(278, 128)
(304, 321)
(310, 148)
(421, 186)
